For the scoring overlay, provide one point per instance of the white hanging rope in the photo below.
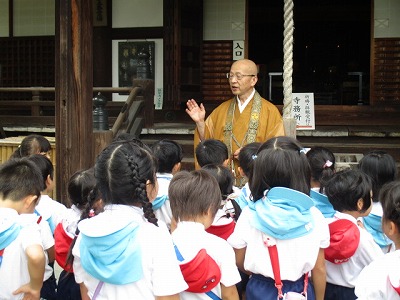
(287, 58)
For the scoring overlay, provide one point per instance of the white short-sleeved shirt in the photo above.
(296, 256)
(373, 282)
(50, 210)
(164, 213)
(14, 267)
(190, 238)
(346, 274)
(47, 242)
(161, 272)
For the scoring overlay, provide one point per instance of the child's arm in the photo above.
(240, 254)
(51, 254)
(36, 264)
(84, 291)
(229, 292)
(319, 276)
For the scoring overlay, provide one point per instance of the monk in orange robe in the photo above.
(244, 119)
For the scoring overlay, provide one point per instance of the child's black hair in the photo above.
(32, 144)
(389, 197)
(223, 176)
(346, 187)
(280, 162)
(322, 164)
(92, 198)
(122, 170)
(211, 151)
(19, 178)
(80, 184)
(168, 153)
(246, 157)
(45, 166)
(381, 167)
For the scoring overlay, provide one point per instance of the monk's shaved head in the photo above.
(246, 65)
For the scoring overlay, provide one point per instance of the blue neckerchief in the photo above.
(50, 221)
(373, 224)
(283, 213)
(115, 258)
(321, 202)
(159, 201)
(8, 235)
(242, 201)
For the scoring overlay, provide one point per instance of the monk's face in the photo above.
(243, 78)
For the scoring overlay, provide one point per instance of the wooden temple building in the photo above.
(147, 57)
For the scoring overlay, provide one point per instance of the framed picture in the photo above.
(135, 61)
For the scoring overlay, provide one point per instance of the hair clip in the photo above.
(91, 213)
(304, 150)
(327, 164)
(254, 156)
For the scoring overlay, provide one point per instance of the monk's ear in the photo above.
(254, 80)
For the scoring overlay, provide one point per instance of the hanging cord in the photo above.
(287, 58)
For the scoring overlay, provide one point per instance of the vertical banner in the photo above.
(303, 110)
(238, 50)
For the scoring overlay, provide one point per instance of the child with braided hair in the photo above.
(117, 253)
(83, 197)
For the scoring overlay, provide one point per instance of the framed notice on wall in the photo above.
(135, 61)
(303, 110)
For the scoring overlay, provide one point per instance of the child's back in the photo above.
(381, 168)
(50, 210)
(224, 220)
(117, 252)
(169, 156)
(322, 164)
(195, 199)
(283, 213)
(22, 260)
(247, 155)
(349, 191)
(380, 280)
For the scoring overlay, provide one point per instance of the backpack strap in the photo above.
(179, 256)
(97, 290)
(273, 254)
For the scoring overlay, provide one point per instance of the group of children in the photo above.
(139, 227)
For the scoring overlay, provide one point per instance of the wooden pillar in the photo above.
(74, 90)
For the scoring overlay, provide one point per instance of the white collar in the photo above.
(243, 106)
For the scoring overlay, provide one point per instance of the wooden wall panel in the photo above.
(386, 71)
(217, 60)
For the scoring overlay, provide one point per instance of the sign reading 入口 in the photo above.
(303, 110)
(238, 50)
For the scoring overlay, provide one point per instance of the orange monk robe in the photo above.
(270, 124)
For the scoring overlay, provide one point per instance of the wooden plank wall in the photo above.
(386, 74)
(217, 60)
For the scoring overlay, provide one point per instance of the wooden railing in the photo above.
(39, 112)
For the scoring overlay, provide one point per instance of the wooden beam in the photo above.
(74, 92)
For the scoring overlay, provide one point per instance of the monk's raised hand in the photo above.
(196, 112)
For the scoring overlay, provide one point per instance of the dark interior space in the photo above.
(331, 51)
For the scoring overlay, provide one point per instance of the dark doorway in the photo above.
(331, 52)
